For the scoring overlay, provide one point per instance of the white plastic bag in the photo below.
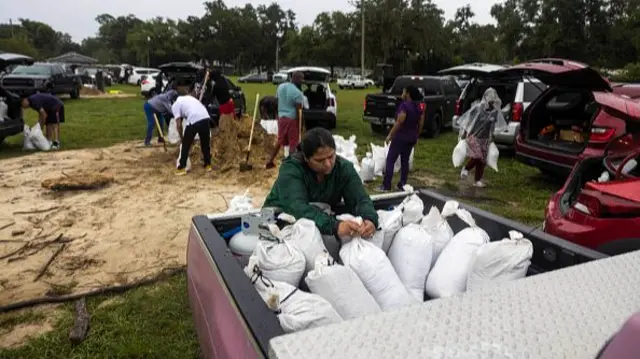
(449, 275)
(412, 208)
(459, 153)
(410, 254)
(379, 154)
(27, 144)
(435, 223)
(389, 222)
(501, 261)
(341, 286)
(306, 237)
(376, 273)
(173, 136)
(270, 126)
(38, 139)
(367, 168)
(280, 261)
(240, 203)
(297, 310)
(492, 157)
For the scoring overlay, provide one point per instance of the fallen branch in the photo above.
(37, 210)
(80, 329)
(46, 266)
(11, 240)
(7, 225)
(15, 252)
(169, 272)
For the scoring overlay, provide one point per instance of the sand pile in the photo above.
(77, 181)
(84, 90)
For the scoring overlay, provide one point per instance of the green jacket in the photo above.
(297, 186)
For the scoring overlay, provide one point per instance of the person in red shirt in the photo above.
(51, 114)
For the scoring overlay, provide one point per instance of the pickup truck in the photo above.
(11, 122)
(440, 96)
(43, 77)
(559, 302)
(355, 81)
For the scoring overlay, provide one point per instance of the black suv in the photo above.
(12, 122)
(43, 77)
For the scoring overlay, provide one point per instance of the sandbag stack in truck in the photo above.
(436, 225)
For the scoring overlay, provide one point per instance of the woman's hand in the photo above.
(348, 229)
(367, 229)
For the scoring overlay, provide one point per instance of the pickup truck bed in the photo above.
(232, 320)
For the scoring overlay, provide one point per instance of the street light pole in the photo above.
(362, 39)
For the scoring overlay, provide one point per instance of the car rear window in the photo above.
(428, 87)
(532, 91)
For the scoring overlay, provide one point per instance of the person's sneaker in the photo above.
(464, 174)
(208, 168)
(480, 184)
(382, 189)
(181, 171)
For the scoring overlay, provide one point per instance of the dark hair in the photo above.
(414, 93)
(314, 139)
(216, 75)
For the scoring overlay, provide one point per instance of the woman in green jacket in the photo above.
(315, 174)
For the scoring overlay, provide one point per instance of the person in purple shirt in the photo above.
(404, 136)
(51, 114)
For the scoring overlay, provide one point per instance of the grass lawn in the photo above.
(155, 321)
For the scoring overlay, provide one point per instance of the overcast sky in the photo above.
(77, 17)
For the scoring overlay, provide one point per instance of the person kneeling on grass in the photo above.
(315, 174)
(51, 114)
(160, 107)
(189, 109)
(477, 126)
(403, 136)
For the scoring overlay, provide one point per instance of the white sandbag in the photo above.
(629, 166)
(492, 157)
(306, 237)
(270, 126)
(379, 154)
(38, 139)
(173, 136)
(413, 150)
(376, 273)
(341, 287)
(412, 209)
(27, 145)
(500, 261)
(389, 222)
(280, 261)
(459, 153)
(604, 177)
(297, 310)
(377, 238)
(449, 275)
(435, 223)
(410, 255)
(188, 166)
(241, 203)
(367, 168)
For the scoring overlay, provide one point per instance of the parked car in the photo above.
(355, 81)
(254, 78)
(186, 74)
(572, 119)
(630, 90)
(516, 93)
(43, 77)
(322, 107)
(279, 78)
(599, 205)
(12, 122)
(136, 74)
(92, 71)
(148, 84)
(440, 95)
(232, 321)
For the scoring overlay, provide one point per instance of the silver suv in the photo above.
(516, 94)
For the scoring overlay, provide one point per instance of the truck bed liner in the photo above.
(567, 313)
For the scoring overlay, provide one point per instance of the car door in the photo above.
(60, 84)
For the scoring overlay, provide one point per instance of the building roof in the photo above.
(74, 58)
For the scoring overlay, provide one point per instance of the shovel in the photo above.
(164, 141)
(246, 166)
(204, 85)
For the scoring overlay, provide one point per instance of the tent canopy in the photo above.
(74, 58)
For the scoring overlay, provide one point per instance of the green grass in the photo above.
(155, 322)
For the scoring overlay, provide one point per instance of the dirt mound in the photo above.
(77, 181)
(84, 90)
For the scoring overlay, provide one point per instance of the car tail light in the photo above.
(601, 134)
(516, 112)
(588, 205)
(458, 108)
(423, 106)
(364, 105)
(144, 82)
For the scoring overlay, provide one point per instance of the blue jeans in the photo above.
(402, 149)
(151, 122)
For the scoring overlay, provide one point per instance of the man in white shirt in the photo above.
(196, 117)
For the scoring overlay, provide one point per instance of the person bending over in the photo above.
(268, 108)
(315, 174)
(160, 106)
(51, 114)
(190, 110)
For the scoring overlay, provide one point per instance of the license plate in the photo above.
(373, 120)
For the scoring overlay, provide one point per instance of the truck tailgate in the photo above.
(381, 106)
(232, 320)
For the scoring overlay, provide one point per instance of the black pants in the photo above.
(201, 128)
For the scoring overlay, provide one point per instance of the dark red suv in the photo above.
(575, 117)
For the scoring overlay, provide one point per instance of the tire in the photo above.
(75, 93)
(366, 86)
(379, 129)
(341, 87)
(436, 126)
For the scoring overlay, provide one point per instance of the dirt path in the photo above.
(132, 228)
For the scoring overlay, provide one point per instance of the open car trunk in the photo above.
(316, 95)
(505, 87)
(561, 120)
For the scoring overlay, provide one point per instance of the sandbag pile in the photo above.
(347, 149)
(411, 257)
(34, 139)
(379, 154)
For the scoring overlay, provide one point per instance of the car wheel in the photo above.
(379, 129)
(366, 86)
(436, 126)
(341, 87)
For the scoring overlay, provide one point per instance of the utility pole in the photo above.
(277, 55)
(11, 26)
(362, 39)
